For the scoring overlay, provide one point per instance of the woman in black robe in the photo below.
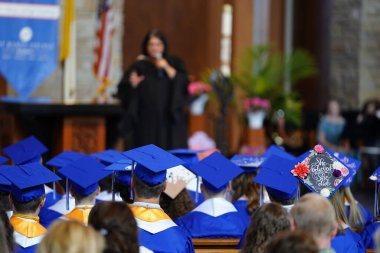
(153, 92)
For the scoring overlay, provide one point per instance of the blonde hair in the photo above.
(356, 218)
(337, 200)
(71, 237)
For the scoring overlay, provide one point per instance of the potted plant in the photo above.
(261, 74)
(199, 93)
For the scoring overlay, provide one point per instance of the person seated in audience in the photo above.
(322, 173)
(30, 150)
(60, 208)
(216, 217)
(314, 215)
(84, 175)
(157, 231)
(245, 193)
(27, 198)
(115, 221)
(369, 231)
(266, 222)
(280, 184)
(292, 242)
(71, 237)
(357, 215)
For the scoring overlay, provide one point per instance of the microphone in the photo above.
(160, 72)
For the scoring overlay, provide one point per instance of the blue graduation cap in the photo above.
(120, 165)
(28, 180)
(3, 159)
(189, 156)
(152, 163)
(84, 174)
(375, 177)
(26, 151)
(216, 171)
(109, 156)
(64, 158)
(248, 163)
(124, 177)
(5, 184)
(350, 162)
(321, 171)
(278, 151)
(123, 166)
(276, 177)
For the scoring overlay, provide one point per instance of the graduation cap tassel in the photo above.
(298, 191)
(113, 185)
(54, 189)
(376, 202)
(67, 195)
(131, 188)
(261, 195)
(197, 191)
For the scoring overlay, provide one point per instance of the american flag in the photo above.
(103, 46)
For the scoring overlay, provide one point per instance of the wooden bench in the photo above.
(370, 251)
(216, 245)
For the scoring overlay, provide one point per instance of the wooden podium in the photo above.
(77, 127)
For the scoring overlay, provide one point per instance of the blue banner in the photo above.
(28, 42)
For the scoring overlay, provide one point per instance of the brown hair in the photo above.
(337, 201)
(116, 223)
(243, 185)
(177, 207)
(6, 229)
(71, 237)
(356, 218)
(292, 242)
(266, 221)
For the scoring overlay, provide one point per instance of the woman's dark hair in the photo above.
(266, 222)
(177, 207)
(292, 242)
(6, 232)
(155, 34)
(243, 185)
(115, 221)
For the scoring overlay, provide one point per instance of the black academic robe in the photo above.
(154, 110)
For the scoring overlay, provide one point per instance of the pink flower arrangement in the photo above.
(300, 170)
(198, 88)
(319, 149)
(256, 103)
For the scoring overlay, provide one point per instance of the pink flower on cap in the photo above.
(319, 149)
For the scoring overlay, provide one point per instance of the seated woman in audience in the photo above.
(115, 221)
(330, 127)
(266, 222)
(292, 242)
(73, 237)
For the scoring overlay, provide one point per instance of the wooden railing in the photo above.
(216, 245)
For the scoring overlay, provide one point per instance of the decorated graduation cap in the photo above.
(64, 158)
(351, 163)
(109, 156)
(26, 151)
(152, 163)
(84, 174)
(216, 171)
(28, 180)
(3, 159)
(248, 163)
(177, 179)
(189, 156)
(278, 151)
(276, 177)
(320, 171)
(375, 177)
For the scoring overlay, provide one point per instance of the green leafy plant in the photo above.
(262, 73)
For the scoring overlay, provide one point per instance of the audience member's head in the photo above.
(115, 221)
(6, 230)
(292, 242)
(315, 215)
(143, 190)
(177, 207)
(243, 185)
(266, 222)
(377, 240)
(73, 237)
